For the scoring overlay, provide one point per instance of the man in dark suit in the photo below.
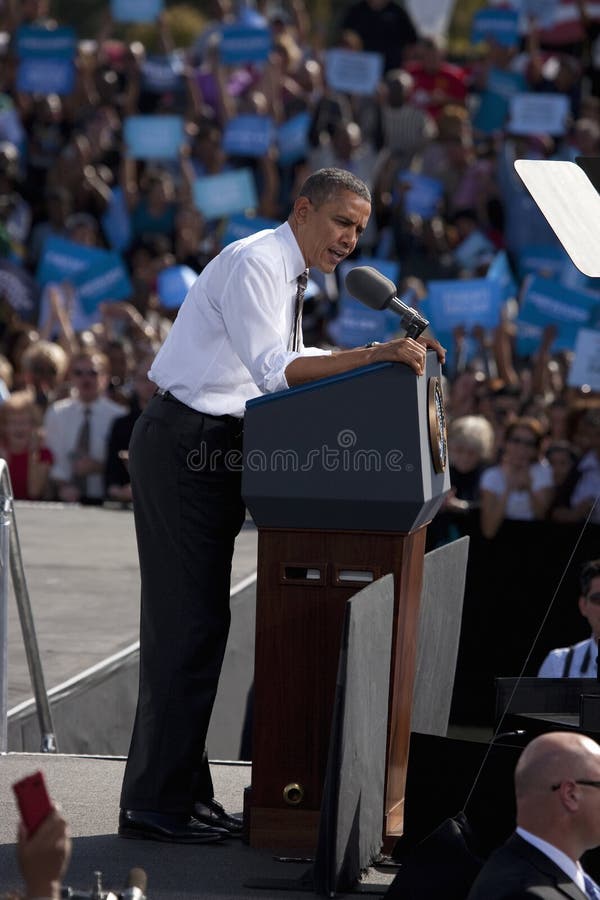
(557, 787)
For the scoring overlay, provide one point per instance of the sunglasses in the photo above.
(82, 373)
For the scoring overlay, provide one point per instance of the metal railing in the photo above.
(12, 561)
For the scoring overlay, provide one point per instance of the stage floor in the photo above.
(88, 791)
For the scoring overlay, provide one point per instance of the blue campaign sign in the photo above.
(352, 72)
(40, 75)
(154, 137)
(546, 260)
(423, 195)
(491, 112)
(219, 196)
(505, 84)
(292, 139)
(64, 260)
(543, 11)
(356, 324)
(468, 302)
(36, 42)
(173, 283)
(545, 302)
(104, 279)
(498, 25)
(135, 10)
(248, 135)
(116, 222)
(500, 271)
(475, 250)
(241, 226)
(163, 73)
(241, 44)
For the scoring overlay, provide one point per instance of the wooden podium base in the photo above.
(304, 581)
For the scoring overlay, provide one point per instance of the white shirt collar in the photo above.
(293, 261)
(564, 862)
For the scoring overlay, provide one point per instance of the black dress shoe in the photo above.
(155, 826)
(212, 813)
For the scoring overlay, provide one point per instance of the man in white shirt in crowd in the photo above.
(557, 787)
(580, 660)
(237, 335)
(77, 431)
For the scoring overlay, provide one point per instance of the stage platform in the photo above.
(88, 791)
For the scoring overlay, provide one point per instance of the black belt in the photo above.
(167, 395)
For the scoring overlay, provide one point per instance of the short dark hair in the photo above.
(589, 571)
(324, 184)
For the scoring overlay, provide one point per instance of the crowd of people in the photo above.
(522, 443)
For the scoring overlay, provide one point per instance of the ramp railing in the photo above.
(11, 561)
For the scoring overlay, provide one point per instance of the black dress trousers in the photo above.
(185, 470)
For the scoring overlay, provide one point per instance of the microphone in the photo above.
(375, 290)
(137, 882)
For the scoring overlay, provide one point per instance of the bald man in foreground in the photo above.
(557, 787)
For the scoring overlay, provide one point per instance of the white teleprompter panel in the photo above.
(570, 203)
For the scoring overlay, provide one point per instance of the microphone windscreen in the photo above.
(137, 878)
(370, 287)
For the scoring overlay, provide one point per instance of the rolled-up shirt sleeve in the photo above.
(253, 310)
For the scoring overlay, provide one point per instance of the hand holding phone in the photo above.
(33, 800)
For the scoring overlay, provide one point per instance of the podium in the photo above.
(341, 477)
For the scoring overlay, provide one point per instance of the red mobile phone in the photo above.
(33, 800)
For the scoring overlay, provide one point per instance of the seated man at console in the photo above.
(580, 660)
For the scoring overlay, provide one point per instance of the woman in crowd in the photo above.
(520, 487)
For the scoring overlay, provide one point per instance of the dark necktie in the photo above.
(82, 448)
(591, 888)
(302, 281)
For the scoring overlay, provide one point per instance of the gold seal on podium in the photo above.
(436, 413)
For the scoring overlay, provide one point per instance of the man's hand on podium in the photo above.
(409, 351)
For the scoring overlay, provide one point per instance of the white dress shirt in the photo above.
(62, 426)
(518, 503)
(564, 862)
(229, 342)
(583, 662)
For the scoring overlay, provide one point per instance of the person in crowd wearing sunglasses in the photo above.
(77, 431)
(580, 660)
(521, 486)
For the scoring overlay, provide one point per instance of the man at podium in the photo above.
(238, 335)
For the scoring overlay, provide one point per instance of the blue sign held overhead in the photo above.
(240, 44)
(36, 42)
(219, 196)
(501, 272)
(46, 76)
(469, 302)
(498, 25)
(248, 135)
(135, 10)
(422, 198)
(154, 137)
(116, 221)
(546, 260)
(353, 72)
(173, 283)
(105, 279)
(545, 302)
(292, 139)
(62, 260)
